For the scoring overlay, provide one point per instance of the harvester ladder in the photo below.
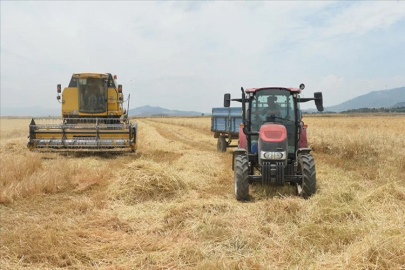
(63, 135)
(97, 134)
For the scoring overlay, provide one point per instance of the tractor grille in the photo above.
(266, 173)
(289, 169)
(273, 173)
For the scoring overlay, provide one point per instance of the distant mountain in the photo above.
(310, 110)
(375, 99)
(399, 104)
(154, 111)
(30, 111)
(140, 111)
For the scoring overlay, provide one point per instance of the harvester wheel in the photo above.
(241, 178)
(221, 144)
(307, 168)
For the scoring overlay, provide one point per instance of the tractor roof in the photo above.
(253, 90)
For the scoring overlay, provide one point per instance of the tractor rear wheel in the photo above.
(307, 168)
(221, 144)
(241, 178)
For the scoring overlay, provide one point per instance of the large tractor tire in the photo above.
(307, 168)
(241, 178)
(221, 144)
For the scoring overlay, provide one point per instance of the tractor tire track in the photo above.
(200, 129)
(197, 160)
(190, 137)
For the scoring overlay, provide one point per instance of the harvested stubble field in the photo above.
(171, 205)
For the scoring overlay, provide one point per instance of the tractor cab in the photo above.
(273, 107)
(272, 140)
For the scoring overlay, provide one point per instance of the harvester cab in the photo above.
(272, 148)
(93, 118)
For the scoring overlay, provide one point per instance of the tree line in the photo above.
(365, 110)
(376, 110)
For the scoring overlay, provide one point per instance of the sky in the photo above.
(187, 55)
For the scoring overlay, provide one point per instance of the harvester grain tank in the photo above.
(272, 148)
(93, 118)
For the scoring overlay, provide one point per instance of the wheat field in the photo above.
(171, 205)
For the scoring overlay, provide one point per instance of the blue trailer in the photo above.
(225, 125)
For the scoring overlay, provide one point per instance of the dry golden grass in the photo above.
(171, 205)
(199, 123)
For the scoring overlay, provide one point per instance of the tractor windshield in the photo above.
(92, 95)
(278, 103)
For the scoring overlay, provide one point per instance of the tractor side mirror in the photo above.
(227, 100)
(318, 101)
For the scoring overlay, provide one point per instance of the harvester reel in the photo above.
(82, 135)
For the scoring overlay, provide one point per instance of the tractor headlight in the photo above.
(273, 155)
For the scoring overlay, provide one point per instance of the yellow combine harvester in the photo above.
(93, 118)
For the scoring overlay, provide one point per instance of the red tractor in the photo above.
(272, 147)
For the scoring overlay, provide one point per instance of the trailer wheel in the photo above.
(221, 144)
(241, 178)
(307, 168)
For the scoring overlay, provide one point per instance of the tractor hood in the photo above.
(273, 133)
(273, 143)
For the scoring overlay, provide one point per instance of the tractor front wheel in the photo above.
(241, 178)
(221, 144)
(307, 168)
